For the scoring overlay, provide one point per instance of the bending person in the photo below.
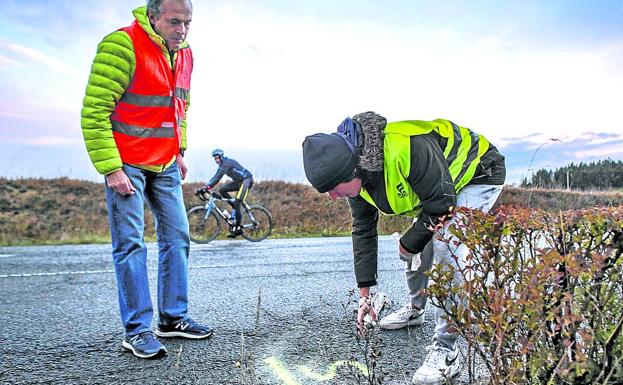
(415, 168)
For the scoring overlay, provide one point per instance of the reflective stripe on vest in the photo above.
(153, 100)
(146, 100)
(182, 93)
(141, 132)
(147, 119)
(463, 151)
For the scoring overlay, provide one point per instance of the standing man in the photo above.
(134, 127)
(415, 168)
(242, 181)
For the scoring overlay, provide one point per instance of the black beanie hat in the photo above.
(327, 160)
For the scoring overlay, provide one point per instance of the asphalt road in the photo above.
(59, 322)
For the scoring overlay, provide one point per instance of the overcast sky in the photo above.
(269, 72)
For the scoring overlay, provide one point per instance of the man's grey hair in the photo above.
(372, 155)
(154, 7)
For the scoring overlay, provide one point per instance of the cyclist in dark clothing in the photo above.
(242, 181)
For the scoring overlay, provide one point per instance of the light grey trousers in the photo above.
(481, 197)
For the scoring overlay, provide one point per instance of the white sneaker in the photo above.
(405, 316)
(440, 363)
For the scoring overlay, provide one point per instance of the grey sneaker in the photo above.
(144, 345)
(403, 317)
(187, 328)
(440, 364)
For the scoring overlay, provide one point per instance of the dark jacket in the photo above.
(431, 181)
(232, 169)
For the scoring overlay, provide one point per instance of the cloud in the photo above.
(21, 113)
(6, 63)
(593, 138)
(52, 140)
(41, 58)
(272, 77)
(614, 151)
(524, 156)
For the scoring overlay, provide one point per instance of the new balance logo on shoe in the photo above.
(144, 345)
(187, 328)
(181, 326)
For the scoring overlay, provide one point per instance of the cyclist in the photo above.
(242, 181)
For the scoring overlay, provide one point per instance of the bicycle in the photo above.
(205, 221)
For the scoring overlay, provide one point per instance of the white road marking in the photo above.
(58, 273)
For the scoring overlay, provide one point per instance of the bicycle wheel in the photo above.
(203, 228)
(257, 227)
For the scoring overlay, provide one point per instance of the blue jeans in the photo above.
(163, 193)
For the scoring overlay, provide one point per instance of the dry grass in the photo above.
(62, 210)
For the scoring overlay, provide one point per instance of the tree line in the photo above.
(601, 175)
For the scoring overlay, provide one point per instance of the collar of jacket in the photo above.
(140, 14)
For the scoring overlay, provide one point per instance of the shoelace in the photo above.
(435, 355)
(405, 311)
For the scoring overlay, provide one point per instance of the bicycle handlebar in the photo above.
(200, 194)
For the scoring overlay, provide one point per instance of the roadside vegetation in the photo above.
(66, 211)
(542, 302)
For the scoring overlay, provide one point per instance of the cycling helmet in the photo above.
(218, 151)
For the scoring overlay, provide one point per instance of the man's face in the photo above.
(218, 159)
(346, 189)
(173, 23)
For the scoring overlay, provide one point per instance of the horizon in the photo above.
(522, 160)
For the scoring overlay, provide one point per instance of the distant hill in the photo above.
(62, 210)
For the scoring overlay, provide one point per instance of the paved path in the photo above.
(59, 322)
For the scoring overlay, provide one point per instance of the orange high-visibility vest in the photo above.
(147, 119)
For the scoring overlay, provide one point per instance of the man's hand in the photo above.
(365, 308)
(120, 183)
(181, 165)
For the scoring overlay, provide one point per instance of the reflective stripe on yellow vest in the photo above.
(463, 151)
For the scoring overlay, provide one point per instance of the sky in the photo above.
(269, 72)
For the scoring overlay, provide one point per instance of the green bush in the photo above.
(542, 301)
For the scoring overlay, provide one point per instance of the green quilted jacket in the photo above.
(111, 73)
